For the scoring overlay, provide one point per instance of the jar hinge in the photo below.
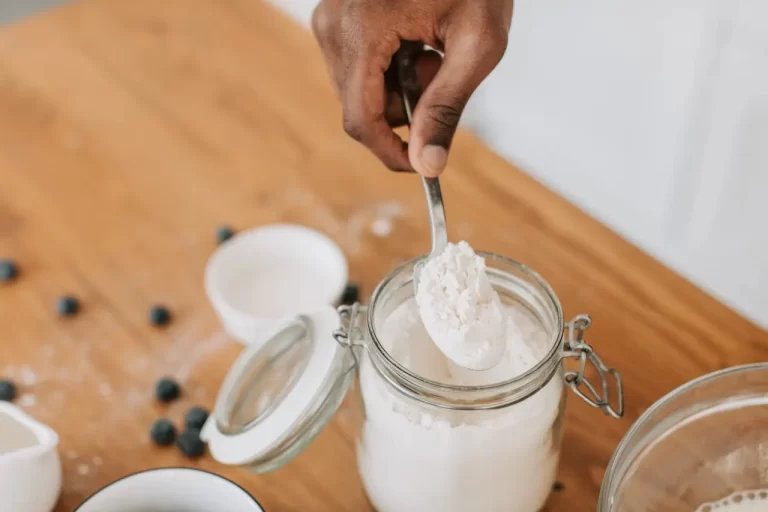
(576, 348)
(351, 331)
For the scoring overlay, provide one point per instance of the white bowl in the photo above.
(30, 469)
(270, 273)
(171, 490)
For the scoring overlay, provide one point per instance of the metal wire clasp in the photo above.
(351, 332)
(576, 348)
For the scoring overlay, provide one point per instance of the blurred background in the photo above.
(11, 10)
(652, 116)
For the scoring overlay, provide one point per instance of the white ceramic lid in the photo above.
(272, 272)
(280, 393)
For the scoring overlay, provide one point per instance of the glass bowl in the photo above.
(702, 447)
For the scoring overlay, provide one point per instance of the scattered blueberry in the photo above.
(159, 315)
(195, 418)
(351, 294)
(8, 270)
(67, 305)
(558, 486)
(167, 390)
(163, 432)
(7, 391)
(224, 233)
(190, 444)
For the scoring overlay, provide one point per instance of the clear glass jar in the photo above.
(422, 444)
(702, 446)
(425, 445)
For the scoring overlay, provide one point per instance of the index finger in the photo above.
(365, 103)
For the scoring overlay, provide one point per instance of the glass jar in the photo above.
(422, 444)
(703, 447)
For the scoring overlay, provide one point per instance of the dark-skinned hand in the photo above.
(359, 38)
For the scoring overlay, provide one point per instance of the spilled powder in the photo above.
(27, 400)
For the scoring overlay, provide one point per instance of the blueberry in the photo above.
(159, 315)
(163, 432)
(195, 418)
(167, 390)
(7, 391)
(351, 294)
(190, 444)
(67, 305)
(8, 270)
(224, 233)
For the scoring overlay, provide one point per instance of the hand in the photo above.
(358, 39)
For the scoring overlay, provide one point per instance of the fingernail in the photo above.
(433, 159)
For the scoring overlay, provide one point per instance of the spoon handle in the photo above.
(436, 214)
(409, 89)
(406, 74)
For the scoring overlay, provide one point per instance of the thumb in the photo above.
(469, 58)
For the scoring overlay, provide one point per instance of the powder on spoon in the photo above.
(460, 309)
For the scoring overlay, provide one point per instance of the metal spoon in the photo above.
(409, 89)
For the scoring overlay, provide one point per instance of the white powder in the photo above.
(27, 400)
(460, 309)
(745, 501)
(415, 457)
(28, 377)
(105, 389)
(381, 227)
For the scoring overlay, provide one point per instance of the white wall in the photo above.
(653, 116)
(11, 10)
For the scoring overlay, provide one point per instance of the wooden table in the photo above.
(130, 130)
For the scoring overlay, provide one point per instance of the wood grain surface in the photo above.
(130, 129)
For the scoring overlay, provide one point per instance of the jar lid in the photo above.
(280, 393)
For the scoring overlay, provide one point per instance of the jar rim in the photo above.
(510, 385)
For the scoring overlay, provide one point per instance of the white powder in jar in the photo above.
(744, 501)
(415, 457)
